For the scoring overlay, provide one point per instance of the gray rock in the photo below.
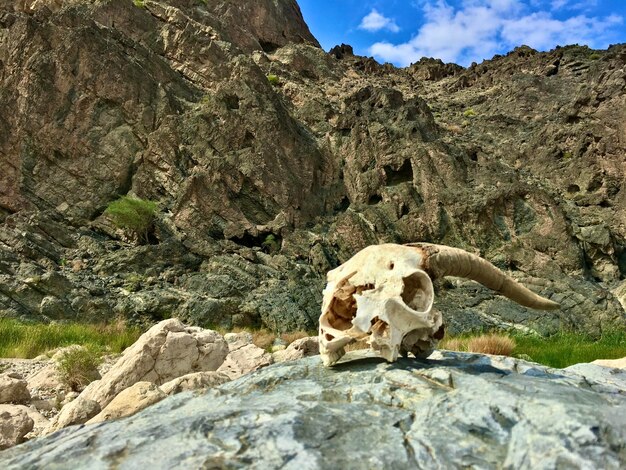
(455, 410)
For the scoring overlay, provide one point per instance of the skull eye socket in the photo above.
(418, 291)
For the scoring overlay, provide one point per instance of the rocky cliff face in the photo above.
(265, 185)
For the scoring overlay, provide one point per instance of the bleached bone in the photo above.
(384, 294)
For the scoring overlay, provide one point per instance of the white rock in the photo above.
(300, 348)
(128, 402)
(195, 381)
(241, 337)
(46, 382)
(13, 390)
(614, 363)
(166, 351)
(14, 425)
(77, 412)
(246, 359)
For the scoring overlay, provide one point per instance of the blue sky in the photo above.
(462, 31)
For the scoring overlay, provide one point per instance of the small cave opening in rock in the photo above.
(374, 199)
(620, 254)
(231, 101)
(268, 47)
(342, 205)
(268, 242)
(418, 291)
(404, 174)
(343, 305)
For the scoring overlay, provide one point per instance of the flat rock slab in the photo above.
(450, 411)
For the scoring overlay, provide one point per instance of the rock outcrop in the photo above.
(165, 352)
(264, 185)
(453, 410)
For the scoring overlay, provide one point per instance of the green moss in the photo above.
(134, 214)
(469, 113)
(271, 244)
(273, 79)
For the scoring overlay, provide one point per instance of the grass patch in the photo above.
(565, 349)
(560, 350)
(28, 340)
(78, 367)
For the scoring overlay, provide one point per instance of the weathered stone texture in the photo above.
(453, 410)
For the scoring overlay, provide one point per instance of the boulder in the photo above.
(614, 363)
(14, 425)
(46, 382)
(243, 359)
(237, 340)
(128, 402)
(195, 381)
(303, 347)
(13, 390)
(79, 411)
(166, 351)
(453, 410)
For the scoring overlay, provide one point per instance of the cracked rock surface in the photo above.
(452, 410)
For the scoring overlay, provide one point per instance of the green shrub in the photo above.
(469, 113)
(134, 214)
(139, 3)
(273, 79)
(78, 367)
(595, 56)
(271, 244)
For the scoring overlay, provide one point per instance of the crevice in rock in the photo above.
(404, 174)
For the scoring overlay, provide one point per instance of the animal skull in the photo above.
(384, 294)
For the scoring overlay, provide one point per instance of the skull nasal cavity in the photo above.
(416, 292)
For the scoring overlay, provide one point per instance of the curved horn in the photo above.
(442, 261)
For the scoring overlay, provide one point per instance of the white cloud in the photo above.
(479, 29)
(574, 5)
(374, 21)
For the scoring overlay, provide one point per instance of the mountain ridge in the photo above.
(519, 159)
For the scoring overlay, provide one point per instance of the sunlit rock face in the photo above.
(265, 186)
